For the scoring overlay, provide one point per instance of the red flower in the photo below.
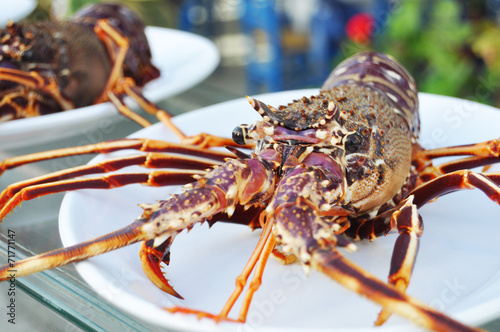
(359, 28)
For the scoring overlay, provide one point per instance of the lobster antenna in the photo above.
(63, 256)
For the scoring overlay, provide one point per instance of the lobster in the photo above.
(100, 54)
(324, 171)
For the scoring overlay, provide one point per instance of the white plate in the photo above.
(184, 60)
(457, 270)
(15, 10)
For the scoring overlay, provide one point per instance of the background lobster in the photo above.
(325, 170)
(100, 54)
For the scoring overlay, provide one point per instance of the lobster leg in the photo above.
(409, 225)
(117, 100)
(482, 154)
(153, 179)
(458, 180)
(117, 47)
(112, 40)
(464, 163)
(257, 262)
(16, 110)
(268, 241)
(139, 144)
(35, 81)
(404, 219)
(117, 85)
(148, 160)
(489, 148)
(203, 140)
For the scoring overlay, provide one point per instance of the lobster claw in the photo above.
(150, 261)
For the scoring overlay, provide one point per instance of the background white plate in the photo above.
(184, 60)
(15, 10)
(457, 270)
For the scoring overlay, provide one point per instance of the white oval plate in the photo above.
(457, 270)
(184, 60)
(15, 10)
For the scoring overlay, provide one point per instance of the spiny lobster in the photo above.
(340, 166)
(100, 54)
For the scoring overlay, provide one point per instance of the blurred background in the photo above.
(451, 47)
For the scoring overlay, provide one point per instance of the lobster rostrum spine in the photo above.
(325, 170)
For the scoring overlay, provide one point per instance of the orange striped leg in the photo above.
(139, 144)
(28, 107)
(151, 108)
(35, 81)
(409, 225)
(458, 180)
(203, 140)
(122, 85)
(430, 171)
(489, 148)
(153, 178)
(466, 163)
(117, 47)
(257, 262)
(117, 100)
(257, 278)
(482, 154)
(148, 160)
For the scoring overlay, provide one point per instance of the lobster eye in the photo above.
(27, 55)
(239, 135)
(353, 142)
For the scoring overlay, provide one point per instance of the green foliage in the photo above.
(432, 47)
(446, 51)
